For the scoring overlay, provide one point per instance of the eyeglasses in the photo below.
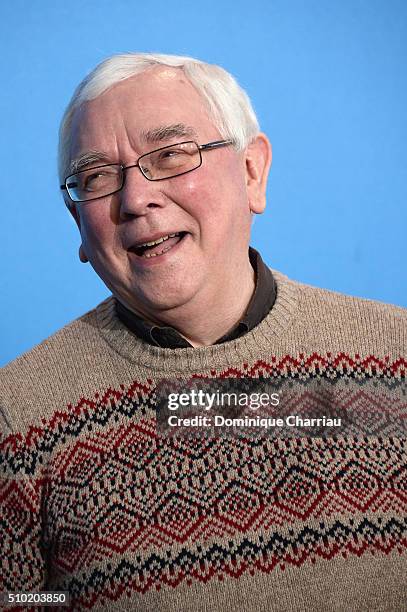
(164, 163)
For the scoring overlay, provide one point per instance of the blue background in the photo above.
(328, 81)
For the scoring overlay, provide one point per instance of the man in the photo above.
(206, 275)
(162, 166)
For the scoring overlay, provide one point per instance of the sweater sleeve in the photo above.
(22, 564)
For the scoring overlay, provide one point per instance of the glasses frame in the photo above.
(204, 147)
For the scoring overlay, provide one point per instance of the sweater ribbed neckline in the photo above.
(191, 360)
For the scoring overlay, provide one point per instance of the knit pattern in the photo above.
(96, 502)
(185, 510)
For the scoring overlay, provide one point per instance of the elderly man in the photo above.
(162, 165)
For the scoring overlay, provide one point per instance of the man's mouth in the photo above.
(154, 248)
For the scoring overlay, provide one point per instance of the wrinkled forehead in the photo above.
(140, 108)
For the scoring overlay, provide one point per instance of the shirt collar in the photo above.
(259, 306)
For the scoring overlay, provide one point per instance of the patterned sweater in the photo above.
(96, 501)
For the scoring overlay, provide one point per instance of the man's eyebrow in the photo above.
(153, 136)
(84, 160)
(167, 132)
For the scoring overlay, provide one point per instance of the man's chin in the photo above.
(154, 306)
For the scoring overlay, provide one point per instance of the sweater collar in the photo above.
(159, 361)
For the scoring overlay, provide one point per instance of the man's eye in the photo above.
(171, 153)
(90, 180)
(96, 180)
(94, 177)
(171, 157)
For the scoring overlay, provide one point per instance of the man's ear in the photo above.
(258, 162)
(74, 212)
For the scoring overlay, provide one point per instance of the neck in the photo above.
(219, 314)
(205, 319)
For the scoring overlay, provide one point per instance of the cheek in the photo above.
(96, 226)
(211, 195)
(220, 205)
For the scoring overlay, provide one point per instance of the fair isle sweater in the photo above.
(96, 502)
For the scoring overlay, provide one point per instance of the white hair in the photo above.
(228, 104)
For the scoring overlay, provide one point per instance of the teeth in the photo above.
(154, 242)
(156, 254)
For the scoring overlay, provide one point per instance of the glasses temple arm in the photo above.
(215, 144)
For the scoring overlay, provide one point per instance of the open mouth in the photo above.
(159, 246)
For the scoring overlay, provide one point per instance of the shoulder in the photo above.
(340, 302)
(53, 369)
(58, 345)
(367, 325)
(345, 305)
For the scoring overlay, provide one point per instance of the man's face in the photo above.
(208, 206)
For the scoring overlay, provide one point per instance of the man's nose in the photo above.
(139, 195)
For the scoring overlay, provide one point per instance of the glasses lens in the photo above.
(94, 182)
(170, 161)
